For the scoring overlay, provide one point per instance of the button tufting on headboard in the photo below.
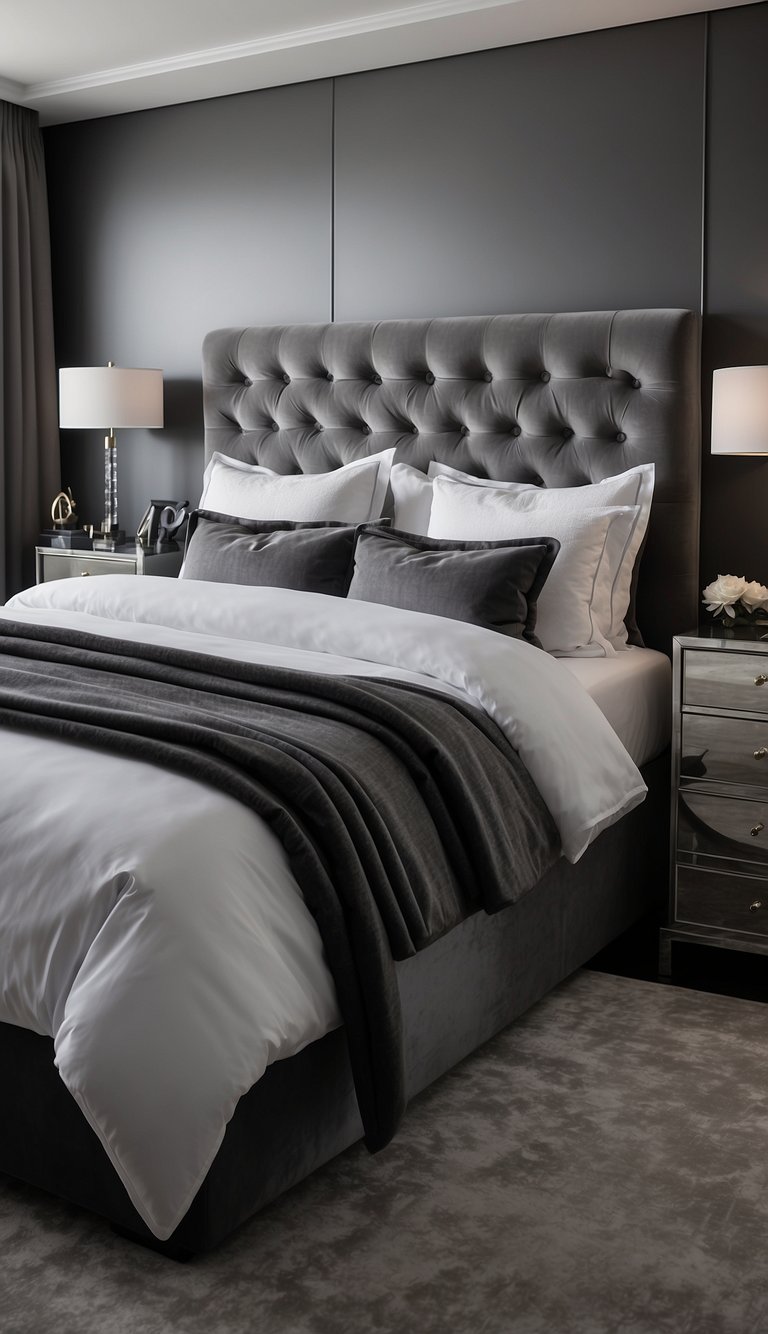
(476, 387)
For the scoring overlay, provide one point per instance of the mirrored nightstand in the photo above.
(52, 563)
(719, 828)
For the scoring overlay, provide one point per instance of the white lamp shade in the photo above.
(740, 410)
(101, 397)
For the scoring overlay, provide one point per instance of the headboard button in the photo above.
(620, 436)
(429, 377)
(636, 384)
(247, 382)
(286, 378)
(546, 377)
(414, 430)
(464, 430)
(375, 379)
(329, 375)
(365, 428)
(275, 426)
(567, 433)
(516, 430)
(488, 377)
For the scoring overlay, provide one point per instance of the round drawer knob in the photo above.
(756, 906)
(757, 829)
(85, 574)
(761, 753)
(761, 680)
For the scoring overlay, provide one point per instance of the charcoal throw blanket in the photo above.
(401, 811)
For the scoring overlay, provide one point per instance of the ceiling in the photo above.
(76, 59)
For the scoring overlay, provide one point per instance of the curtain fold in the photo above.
(29, 440)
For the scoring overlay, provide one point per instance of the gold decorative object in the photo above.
(63, 512)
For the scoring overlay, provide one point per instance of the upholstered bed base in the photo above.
(455, 996)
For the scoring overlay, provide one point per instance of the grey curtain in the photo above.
(29, 441)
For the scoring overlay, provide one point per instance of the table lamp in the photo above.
(740, 410)
(110, 397)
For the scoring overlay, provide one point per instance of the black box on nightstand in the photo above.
(66, 539)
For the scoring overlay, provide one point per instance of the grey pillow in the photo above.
(313, 557)
(493, 584)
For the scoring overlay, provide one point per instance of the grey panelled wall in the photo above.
(165, 223)
(560, 175)
(735, 497)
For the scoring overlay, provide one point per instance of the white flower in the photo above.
(723, 592)
(755, 595)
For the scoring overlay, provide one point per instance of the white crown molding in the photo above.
(397, 36)
(284, 41)
(11, 91)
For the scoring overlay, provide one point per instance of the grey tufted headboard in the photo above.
(559, 400)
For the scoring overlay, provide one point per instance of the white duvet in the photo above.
(152, 926)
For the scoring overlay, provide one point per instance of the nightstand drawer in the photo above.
(54, 563)
(726, 680)
(725, 750)
(732, 902)
(729, 829)
(72, 566)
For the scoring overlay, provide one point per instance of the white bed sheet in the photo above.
(152, 925)
(634, 692)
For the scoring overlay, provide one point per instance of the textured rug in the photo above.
(599, 1168)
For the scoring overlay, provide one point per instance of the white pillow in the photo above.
(353, 493)
(633, 487)
(575, 601)
(412, 494)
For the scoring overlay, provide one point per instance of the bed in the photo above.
(555, 401)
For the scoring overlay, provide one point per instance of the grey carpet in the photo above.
(599, 1168)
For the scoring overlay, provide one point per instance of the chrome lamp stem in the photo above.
(110, 523)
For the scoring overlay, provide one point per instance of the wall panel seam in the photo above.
(333, 201)
(704, 174)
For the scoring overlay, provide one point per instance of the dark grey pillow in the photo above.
(493, 584)
(312, 557)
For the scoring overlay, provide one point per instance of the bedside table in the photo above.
(53, 563)
(719, 826)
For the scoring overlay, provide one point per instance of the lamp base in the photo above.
(109, 541)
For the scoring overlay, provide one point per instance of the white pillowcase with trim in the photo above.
(575, 603)
(633, 488)
(353, 493)
(412, 494)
